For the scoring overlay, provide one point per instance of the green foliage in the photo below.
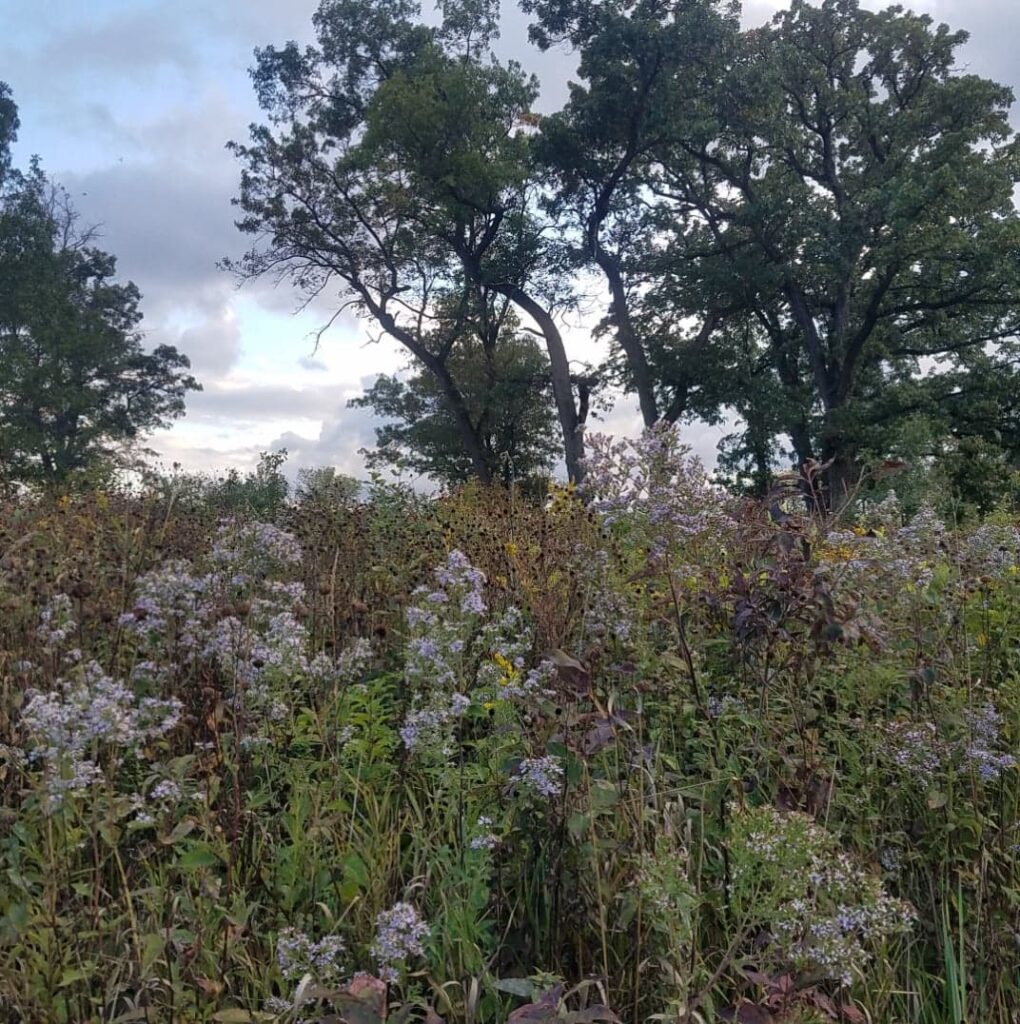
(409, 182)
(260, 492)
(505, 389)
(8, 129)
(848, 138)
(76, 386)
(810, 223)
(325, 486)
(670, 757)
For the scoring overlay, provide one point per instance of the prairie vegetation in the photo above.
(645, 752)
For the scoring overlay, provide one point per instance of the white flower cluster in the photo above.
(823, 911)
(69, 725)
(399, 934)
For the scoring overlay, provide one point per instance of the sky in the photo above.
(129, 104)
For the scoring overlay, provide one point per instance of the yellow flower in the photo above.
(503, 663)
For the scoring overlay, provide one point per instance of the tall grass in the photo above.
(639, 755)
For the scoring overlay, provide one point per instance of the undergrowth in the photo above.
(642, 753)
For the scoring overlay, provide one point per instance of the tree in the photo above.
(506, 390)
(851, 192)
(76, 385)
(325, 487)
(643, 66)
(8, 129)
(397, 164)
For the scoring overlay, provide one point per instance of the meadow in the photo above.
(643, 753)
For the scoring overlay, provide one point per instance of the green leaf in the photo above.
(71, 975)
(153, 946)
(578, 824)
(355, 871)
(201, 855)
(604, 795)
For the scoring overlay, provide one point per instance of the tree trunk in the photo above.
(628, 339)
(841, 475)
(841, 478)
(469, 434)
(559, 370)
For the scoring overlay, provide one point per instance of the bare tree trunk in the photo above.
(628, 339)
(559, 370)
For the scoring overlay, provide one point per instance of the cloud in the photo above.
(83, 41)
(167, 223)
(246, 404)
(171, 450)
(214, 345)
(130, 105)
(339, 440)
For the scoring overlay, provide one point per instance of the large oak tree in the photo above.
(851, 194)
(810, 223)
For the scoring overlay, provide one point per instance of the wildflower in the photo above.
(422, 723)
(57, 621)
(979, 754)
(66, 724)
(891, 858)
(542, 775)
(719, 706)
(166, 603)
(298, 955)
(278, 1005)
(823, 910)
(166, 791)
(400, 933)
(259, 548)
(484, 838)
(992, 550)
(656, 483)
(915, 749)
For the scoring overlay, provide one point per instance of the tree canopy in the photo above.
(396, 166)
(506, 390)
(76, 385)
(809, 225)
